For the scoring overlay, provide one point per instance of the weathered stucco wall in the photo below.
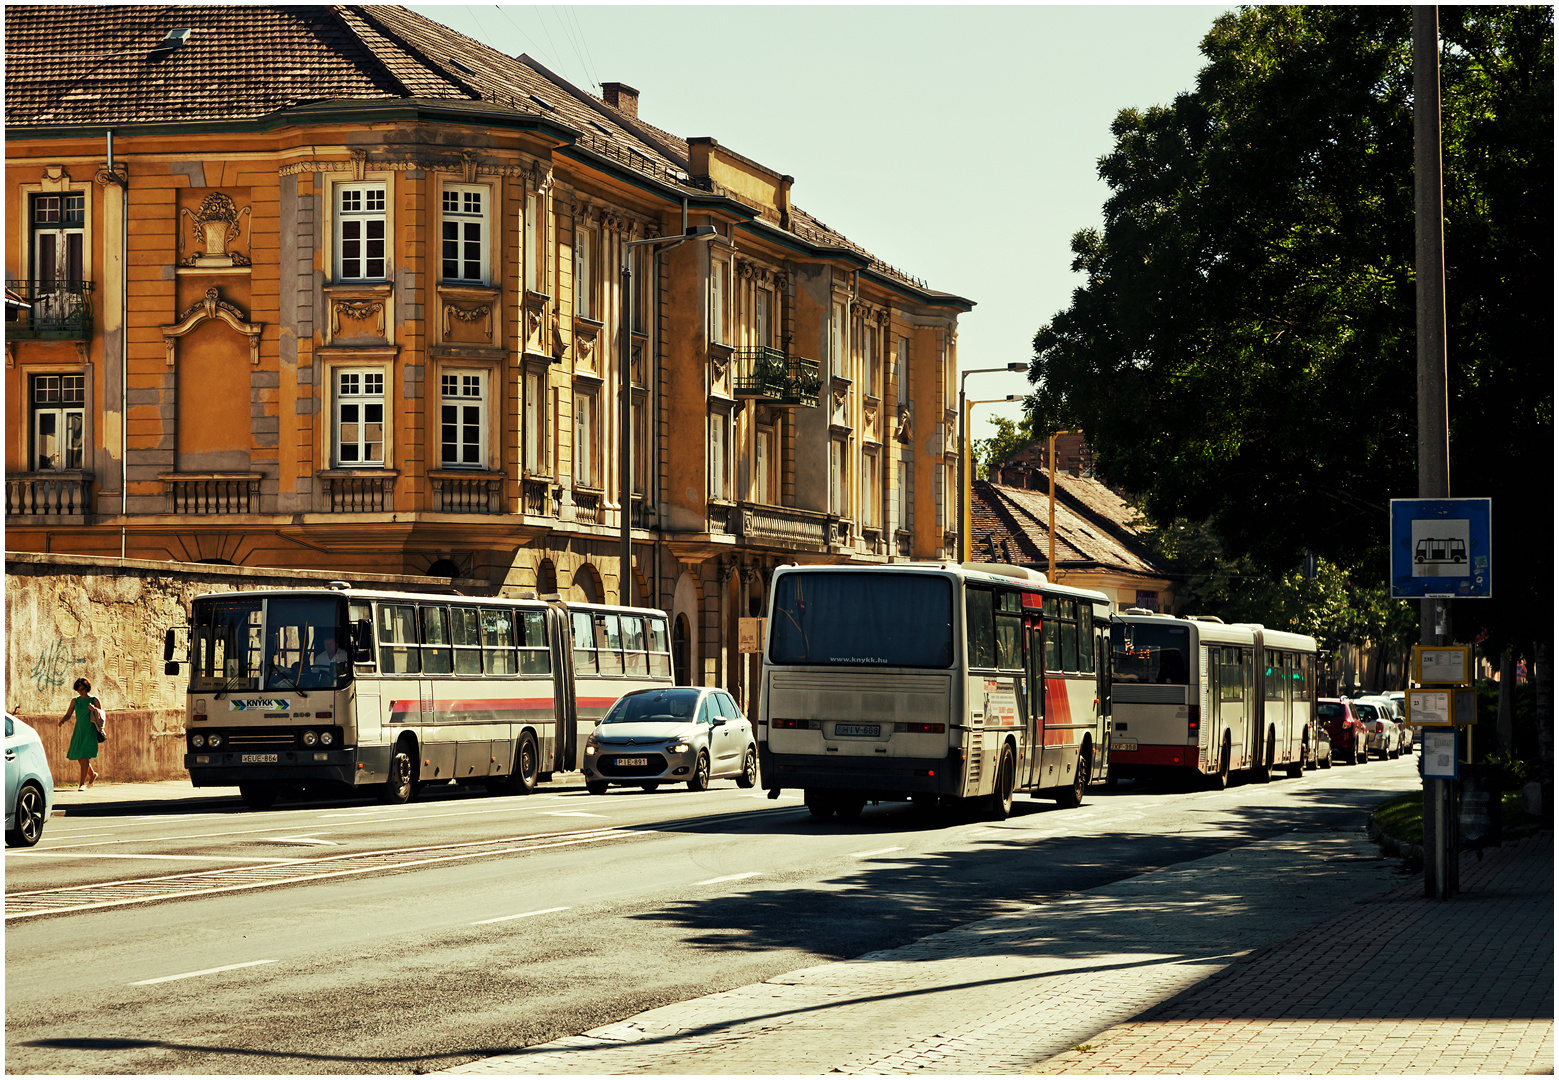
(70, 616)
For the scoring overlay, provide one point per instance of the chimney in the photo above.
(622, 97)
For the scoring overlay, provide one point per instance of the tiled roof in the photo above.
(1093, 526)
(101, 66)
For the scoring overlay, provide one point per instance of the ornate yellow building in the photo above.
(338, 288)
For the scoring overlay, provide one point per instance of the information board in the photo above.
(1437, 757)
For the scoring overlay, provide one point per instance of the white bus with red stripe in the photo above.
(932, 682)
(389, 692)
(1199, 697)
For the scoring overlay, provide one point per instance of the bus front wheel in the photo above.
(397, 786)
(1220, 779)
(258, 796)
(527, 763)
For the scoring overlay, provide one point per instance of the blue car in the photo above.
(29, 786)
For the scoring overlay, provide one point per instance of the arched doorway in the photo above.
(681, 657)
(588, 584)
(546, 578)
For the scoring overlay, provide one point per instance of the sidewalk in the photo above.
(152, 796)
(1303, 954)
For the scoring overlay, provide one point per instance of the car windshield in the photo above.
(670, 706)
(1329, 710)
(1366, 712)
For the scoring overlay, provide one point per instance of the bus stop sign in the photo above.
(1440, 548)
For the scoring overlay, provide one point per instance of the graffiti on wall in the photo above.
(57, 666)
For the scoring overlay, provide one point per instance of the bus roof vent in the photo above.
(1205, 618)
(1138, 611)
(341, 586)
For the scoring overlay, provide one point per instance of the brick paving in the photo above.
(1302, 954)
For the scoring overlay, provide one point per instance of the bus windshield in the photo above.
(879, 620)
(300, 645)
(1142, 653)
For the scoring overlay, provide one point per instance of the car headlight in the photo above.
(590, 750)
(679, 748)
(327, 738)
(309, 738)
(197, 740)
(213, 740)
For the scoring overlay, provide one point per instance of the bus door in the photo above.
(1029, 769)
(559, 642)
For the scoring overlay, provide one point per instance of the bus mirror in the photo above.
(362, 641)
(167, 650)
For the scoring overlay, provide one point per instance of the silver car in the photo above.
(29, 786)
(670, 734)
(1382, 734)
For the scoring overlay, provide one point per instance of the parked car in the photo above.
(1344, 728)
(1398, 699)
(29, 786)
(670, 734)
(1321, 752)
(1382, 734)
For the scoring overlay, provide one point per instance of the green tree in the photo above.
(1242, 349)
(1011, 436)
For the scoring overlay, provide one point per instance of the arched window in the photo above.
(681, 659)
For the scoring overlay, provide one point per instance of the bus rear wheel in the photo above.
(523, 779)
(999, 802)
(1220, 779)
(1069, 797)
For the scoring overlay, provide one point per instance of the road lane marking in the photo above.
(569, 813)
(206, 971)
(279, 860)
(729, 877)
(522, 915)
(875, 851)
(297, 840)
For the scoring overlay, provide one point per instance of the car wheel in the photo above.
(397, 786)
(999, 802)
(699, 781)
(29, 818)
(596, 787)
(749, 777)
(258, 796)
(1068, 798)
(650, 785)
(1326, 762)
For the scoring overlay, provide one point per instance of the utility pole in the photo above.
(1434, 454)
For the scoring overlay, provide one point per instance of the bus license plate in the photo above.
(258, 759)
(1123, 744)
(633, 761)
(868, 730)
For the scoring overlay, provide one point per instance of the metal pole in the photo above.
(625, 440)
(961, 549)
(1434, 480)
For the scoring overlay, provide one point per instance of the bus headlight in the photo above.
(327, 738)
(309, 738)
(213, 740)
(197, 740)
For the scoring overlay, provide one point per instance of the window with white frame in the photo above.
(719, 454)
(869, 360)
(463, 234)
(763, 318)
(584, 271)
(359, 417)
(58, 223)
(871, 488)
(537, 460)
(587, 437)
(765, 475)
(360, 232)
(836, 355)
(58, 421)
(719, 298)
(463, 419)
(535, 242)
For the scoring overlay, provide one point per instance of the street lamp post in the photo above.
(963, 454)
(966, 469)
(625, 404)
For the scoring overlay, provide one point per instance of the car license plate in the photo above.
(258, 759)
(1123, 744)
(869, 730)
(633, 761)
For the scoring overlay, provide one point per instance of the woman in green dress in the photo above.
(88, 712)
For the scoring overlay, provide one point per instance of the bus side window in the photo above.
(584, 643)
(660, 648)
(608, 641)
(633, 645)
(398, 639)
(466, 636)
(979, 620)
(535, 657)
(361, 613)
(1086, 645)
(1009, 631)
(436, 659)
(498, 641)
(1066, 611)
(1052, 611)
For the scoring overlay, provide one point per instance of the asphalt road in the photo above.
(356, 938)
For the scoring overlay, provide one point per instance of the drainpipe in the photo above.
(124, 354)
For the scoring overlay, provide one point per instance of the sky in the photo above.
(959, 144)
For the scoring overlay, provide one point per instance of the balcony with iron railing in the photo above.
(54, 309)
(776, 378)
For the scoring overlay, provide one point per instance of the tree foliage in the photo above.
(1242, 351)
